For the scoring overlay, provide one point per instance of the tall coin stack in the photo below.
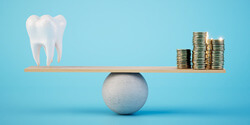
(218, 54)
(183, 58)
(199, 50)
(209, 54)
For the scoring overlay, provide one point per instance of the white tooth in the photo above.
(48, 32)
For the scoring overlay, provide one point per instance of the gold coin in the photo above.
(217, 41)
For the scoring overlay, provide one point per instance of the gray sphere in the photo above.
(125, 93)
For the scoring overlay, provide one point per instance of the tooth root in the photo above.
(36, 52)
(49, 49)
(59, 50)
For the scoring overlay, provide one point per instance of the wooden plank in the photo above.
(121, 69)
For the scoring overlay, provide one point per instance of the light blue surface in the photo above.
(125, 33)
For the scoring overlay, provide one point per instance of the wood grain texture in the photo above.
(121, 69)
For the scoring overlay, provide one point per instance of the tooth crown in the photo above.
(47, 32)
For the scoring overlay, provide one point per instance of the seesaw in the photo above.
(125, 90)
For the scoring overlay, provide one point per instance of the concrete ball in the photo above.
(125, 93)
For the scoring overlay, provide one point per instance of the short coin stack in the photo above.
(199, 50)
(209, 54)
(183, 58)
(218, 54)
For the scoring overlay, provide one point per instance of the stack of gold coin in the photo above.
(209, 54)
(199, 50)
(183, 58)
(217, 54)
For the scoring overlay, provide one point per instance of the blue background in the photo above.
(125, 33)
